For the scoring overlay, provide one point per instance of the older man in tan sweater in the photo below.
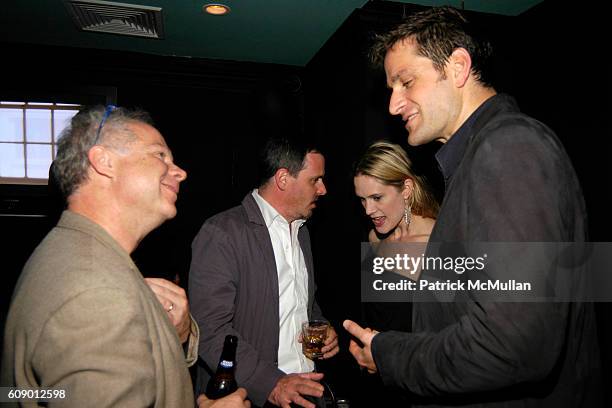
(83, 320)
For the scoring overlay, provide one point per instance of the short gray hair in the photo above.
(71, 163)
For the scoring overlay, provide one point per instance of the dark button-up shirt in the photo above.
(450, 154)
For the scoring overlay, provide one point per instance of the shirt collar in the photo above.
(450, 154)
(270, 214)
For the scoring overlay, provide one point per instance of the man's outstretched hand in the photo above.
(362, 353)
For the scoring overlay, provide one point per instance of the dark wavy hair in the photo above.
(437, 32)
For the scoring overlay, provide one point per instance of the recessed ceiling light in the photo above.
(216, 9)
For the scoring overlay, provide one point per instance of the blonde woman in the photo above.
(399, 203)
(402, 209)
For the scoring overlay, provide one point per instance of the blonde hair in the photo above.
(389, 164)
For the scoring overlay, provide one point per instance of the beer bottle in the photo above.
(223, 382)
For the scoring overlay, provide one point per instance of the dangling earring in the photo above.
(408, 214)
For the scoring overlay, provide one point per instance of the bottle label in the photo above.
(226, 364)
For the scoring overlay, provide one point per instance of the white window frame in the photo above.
(25, 106)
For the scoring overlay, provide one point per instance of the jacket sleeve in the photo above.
(115, 360)
(314, 310)
(316, 314)
(493, 346)
(213, 283)
(520, 187)
(193, 342)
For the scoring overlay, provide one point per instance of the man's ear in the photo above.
(460, 66)
(101, 161)
(281, 178)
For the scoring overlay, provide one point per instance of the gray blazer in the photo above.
(233, 289)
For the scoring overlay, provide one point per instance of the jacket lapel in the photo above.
(260, 230)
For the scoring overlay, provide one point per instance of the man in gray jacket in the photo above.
(252, 276)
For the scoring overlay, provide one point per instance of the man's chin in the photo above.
(307, 214)
(170, 213)
(413, 140)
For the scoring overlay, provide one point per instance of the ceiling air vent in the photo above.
(117, 18)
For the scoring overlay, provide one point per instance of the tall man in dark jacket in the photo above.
(252, 276)
(508, 179)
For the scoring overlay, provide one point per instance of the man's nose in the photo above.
(396, 102)
(178, 173)
(322, 189)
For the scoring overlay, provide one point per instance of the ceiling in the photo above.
(286, 32)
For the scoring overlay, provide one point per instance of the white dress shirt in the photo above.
(292, 287)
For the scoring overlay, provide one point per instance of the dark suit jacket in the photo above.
(514, 183)
(233, 289)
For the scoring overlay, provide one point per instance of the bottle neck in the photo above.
(225, 366)
(227, 360)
